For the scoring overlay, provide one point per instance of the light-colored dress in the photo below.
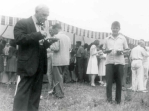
(92, 67)
(102, 63)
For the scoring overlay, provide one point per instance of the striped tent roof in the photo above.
(11, 21)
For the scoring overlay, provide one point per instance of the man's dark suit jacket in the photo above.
(28, 52)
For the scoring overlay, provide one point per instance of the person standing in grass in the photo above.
(102, 67)
(137, 55)
(72, 65)
(79, 61)
(92, 67)
(114, 46)
(61, 59)
(127, 69)
(2, 45)
(146, 68)
(50, 67)
(85, 76)
(11, 65)
(31, 37)
(4, 78)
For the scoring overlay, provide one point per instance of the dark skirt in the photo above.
(1, 63)
(11, 65)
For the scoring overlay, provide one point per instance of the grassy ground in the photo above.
(80, 97)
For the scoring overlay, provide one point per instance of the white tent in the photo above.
(6, 31)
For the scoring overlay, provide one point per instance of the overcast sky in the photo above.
(95, 15)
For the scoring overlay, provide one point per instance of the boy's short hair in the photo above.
(96, 42)
(78, 42)
(140, 41)
(58, 26)
(101, 46)
(115, 24)
(85, 45)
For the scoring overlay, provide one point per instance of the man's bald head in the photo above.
(141, 43)
(41, 13)
(41, 7)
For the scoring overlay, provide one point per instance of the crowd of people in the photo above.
(41, 51)
(8, 60)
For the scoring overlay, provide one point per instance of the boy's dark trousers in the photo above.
(114, 72)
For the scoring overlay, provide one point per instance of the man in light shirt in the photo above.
(136, 56)
(61, 59)
(146, 69)
(114, 46)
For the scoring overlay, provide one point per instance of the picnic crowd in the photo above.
(48, 51)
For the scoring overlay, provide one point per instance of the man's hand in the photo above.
(119, 52)
(43, 33)
(145, 76)
(51, 39)
(108, 51)
(100, 52)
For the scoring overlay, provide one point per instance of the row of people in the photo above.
(113, 47)
(88, 64)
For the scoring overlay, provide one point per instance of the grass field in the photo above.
(80, 97)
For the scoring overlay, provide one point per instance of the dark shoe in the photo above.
(109, 101)
(51, 92)
(59, 97)
(117, 102)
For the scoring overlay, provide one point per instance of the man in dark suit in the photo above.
(32, 59)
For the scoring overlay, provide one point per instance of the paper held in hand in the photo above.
(51, 38)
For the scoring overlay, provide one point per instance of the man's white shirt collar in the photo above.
(34, 19)
(119, 36)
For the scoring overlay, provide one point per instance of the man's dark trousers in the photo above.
(29, 90)
(85, 76)
(80, 68)
(114, 72)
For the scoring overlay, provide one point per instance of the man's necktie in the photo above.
(39, 23)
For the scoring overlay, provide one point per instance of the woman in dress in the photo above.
(11, 65)
(5, 75)
(102, 68)
(92, 67)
